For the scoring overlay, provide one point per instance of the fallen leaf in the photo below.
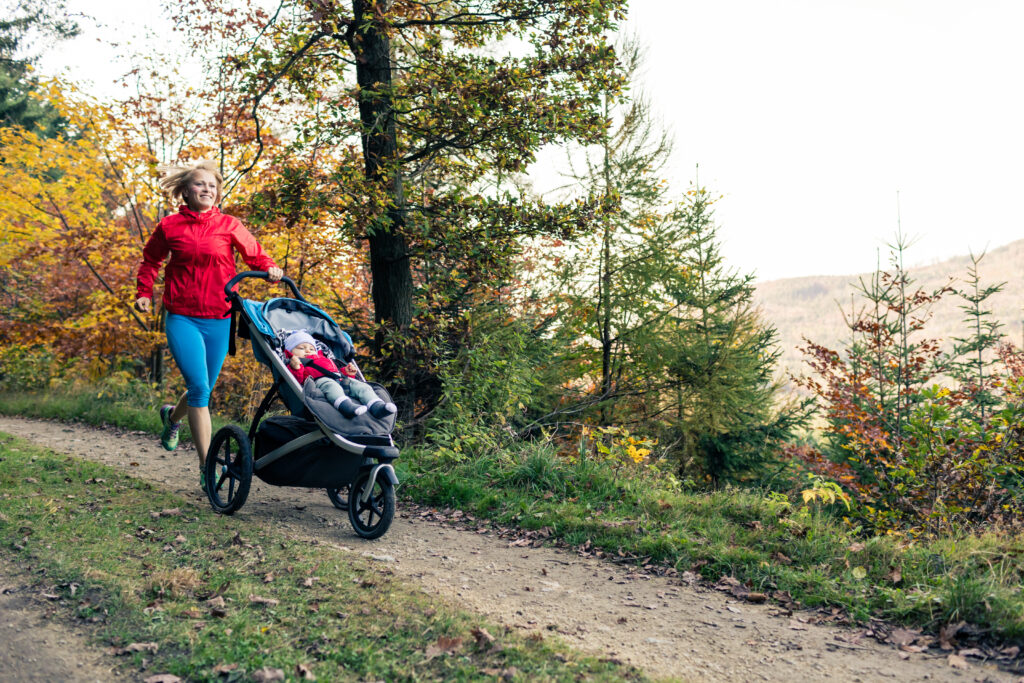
(895, 576)
(483, 638)
(224, 669)
(259, 600)
(309, 581)
(170, 512)
(135, 647)
(781, 559)
(972, 652)
(859, 573)
(162, 678)
(267, 674)
(755, 597)
(855, 547)
(1009, 652)
(902, 636)
(444, 645)
(304, 672)
(509, 673)
(947, 634)
(958, 662)
(216, 601)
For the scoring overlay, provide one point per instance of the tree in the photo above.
(438, 116)
(27, 24)
(617, 275)
(726, 416)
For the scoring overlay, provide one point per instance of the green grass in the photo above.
(145, 566)
(802, 550)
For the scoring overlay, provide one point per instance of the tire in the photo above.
(228, 470)
(339, 497)
(372, 518)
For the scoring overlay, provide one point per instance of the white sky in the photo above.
(807, 115)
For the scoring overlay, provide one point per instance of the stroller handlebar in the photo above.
(264, 275)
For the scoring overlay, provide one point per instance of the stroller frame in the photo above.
(314, 446)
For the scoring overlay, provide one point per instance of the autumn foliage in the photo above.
(924, 441)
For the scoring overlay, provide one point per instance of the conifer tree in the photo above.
(723, 401)
(25, 24)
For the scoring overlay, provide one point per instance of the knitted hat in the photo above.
(298, 337)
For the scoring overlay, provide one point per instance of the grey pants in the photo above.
(347, 386)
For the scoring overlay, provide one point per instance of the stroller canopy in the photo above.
(285, 315)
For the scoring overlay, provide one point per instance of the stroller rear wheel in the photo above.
(371, 517)
(339, 497)
(228, 470)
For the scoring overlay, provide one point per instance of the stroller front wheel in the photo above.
(371, 515)
(228, 470)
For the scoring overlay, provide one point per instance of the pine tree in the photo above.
(25, 24)
(724, 411)
(973, 356)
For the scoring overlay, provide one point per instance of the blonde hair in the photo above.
(174, 179)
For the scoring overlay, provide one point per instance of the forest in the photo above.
(585, 346)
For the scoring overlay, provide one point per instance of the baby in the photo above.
(305, 360)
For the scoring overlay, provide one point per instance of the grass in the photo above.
(768, 544)
(219, 598)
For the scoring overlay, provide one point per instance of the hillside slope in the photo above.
(810, 306)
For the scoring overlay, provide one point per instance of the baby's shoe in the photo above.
(380, 409)
(349, 408)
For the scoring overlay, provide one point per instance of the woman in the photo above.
(201, 242)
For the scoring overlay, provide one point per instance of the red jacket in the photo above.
(202, 261)
(309, 371)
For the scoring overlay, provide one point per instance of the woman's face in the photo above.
(201, 191)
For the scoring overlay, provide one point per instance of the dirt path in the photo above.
(661, 625)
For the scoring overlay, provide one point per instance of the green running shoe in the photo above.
(202, 480)
(169, 436)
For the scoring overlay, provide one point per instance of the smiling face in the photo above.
(202, 191)
(304, 349)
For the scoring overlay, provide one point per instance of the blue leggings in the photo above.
(199, 346)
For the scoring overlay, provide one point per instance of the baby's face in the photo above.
(304, 349)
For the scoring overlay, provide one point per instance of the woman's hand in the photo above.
(275, 274)
(144, 304)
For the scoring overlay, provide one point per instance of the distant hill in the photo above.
(809, 306)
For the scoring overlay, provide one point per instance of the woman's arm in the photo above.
(153, 255)
(251, 251)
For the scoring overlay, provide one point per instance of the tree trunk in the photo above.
(389, 255)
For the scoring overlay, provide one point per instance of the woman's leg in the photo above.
(199, 346)
(180, 408)
(202, 428)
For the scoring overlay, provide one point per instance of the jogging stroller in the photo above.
(315, 445)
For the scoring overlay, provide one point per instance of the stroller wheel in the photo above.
(228, 470)
(371, 517)
(339, 497)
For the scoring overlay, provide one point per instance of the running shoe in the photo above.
(169, 436)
